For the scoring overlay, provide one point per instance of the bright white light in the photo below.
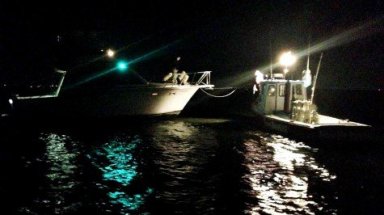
(259, 77)
(110, 53)
(10, 101)
(287, 59)
(307, 78)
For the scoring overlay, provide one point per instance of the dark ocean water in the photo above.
(183, 166)
(190, 165)
(365, 106)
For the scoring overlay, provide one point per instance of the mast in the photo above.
(270, 55)
(307, 78)
(308, 53)
(315, 78)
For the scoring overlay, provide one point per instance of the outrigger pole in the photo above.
(315, 78)
(270, 55)
(308, 53)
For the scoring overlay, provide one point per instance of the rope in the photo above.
(223, 96)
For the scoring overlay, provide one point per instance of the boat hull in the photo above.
(344, 131)
(140, 100)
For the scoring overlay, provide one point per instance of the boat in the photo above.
(140, 99)
(283, 106)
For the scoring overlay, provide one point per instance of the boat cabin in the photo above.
(278, 95)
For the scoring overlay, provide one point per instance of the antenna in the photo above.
(307, 78)
(308, 51)
(270, 55)
(315, 78)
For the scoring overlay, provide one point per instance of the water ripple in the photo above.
(175, 167)
(57, 193)
(117, 160)
(279, 171)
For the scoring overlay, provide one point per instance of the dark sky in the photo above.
(231, 38)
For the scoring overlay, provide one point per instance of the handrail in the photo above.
(53, 95)
(205, 78)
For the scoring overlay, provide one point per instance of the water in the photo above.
(182, 166)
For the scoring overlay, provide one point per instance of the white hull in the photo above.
(151, 99)
(148, 99)
(132, 100)
(328, 128)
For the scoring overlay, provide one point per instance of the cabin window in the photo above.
(281, 90)
(298, 90)
(271, 90)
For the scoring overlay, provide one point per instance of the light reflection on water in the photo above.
(279, 176)
(178, 167)
(60, 157)
(62, 161)
(117, 162)
(181, 152)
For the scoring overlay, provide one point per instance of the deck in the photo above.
(324, 121)
(328, 128)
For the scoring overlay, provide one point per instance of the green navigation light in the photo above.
(122, 66)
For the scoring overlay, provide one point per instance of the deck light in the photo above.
(287, 59)
(110, 53)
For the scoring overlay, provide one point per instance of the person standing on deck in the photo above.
(259, 77)
(175, 70)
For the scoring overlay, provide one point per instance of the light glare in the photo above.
(122, 65)
(110, 53)
(287, 59)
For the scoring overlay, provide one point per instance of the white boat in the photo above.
(283, 106)
(146, 99)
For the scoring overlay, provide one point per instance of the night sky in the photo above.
(230, 38)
